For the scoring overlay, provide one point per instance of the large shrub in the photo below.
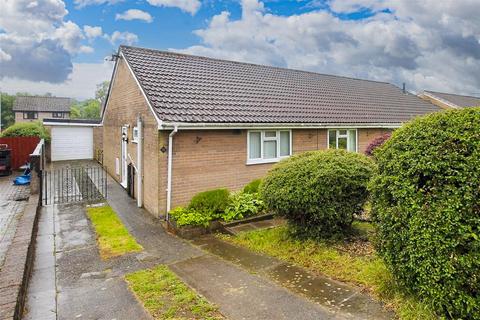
(214, 201)
(27, 129)
(426, 202)
(319, 191)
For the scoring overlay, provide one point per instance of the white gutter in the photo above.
(140, 162)
(205, 126)
(169, 173)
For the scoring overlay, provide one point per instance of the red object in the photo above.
(21, 148)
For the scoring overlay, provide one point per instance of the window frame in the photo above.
(263, 139)
(58, 115)
(25, 115)
(337, 134)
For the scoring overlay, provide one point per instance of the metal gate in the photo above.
(74, 184)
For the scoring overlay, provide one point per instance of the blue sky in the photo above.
(59, 46)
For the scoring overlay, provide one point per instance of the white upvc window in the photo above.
(346, 139)
(264, 146)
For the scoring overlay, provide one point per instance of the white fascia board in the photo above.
(57, 124)
(159, 122)
(112, 82)
(206, 126)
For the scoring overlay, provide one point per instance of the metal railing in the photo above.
(74, 184)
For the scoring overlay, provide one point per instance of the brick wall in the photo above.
(208, 159)
(41, 116)
(97, 140)
(125, 103)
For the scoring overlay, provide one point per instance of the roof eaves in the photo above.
(433, 96)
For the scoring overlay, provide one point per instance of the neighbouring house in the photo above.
(33, 108)
(176, 124)
(449, 100)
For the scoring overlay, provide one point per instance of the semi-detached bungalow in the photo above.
(176, 124)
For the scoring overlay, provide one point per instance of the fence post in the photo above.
(36, 165)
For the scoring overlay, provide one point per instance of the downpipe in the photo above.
(169, 170)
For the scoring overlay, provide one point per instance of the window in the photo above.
(269, 145)
(57, 114)
(135, 135)
(30, 115)
(342, 139)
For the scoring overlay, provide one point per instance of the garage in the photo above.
(70, 141)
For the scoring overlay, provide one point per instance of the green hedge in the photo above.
(319, 191)
(426, 203)
(27, 129)
(253, 186)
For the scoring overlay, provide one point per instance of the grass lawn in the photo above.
(166, 297)
(112, 237)
(352, 262)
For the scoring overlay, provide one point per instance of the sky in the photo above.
(62, 47)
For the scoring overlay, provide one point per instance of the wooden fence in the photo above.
(21, 148)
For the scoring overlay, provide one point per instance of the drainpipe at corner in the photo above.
(169, 173)
(140, 162)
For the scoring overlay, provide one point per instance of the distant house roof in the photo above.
(458, 101)
(42, 104)
(191, 89)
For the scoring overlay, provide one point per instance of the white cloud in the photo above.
(83, 3)
(134, 14)
(190, 6)
(36, 41)
(92, 32)
(4, 56)
(118, 37)
(79, 84)
(428, 44)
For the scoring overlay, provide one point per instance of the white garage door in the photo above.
(72, 143)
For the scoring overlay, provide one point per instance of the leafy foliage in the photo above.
(425, 201)
(88, 109)
(253, 186)
(191, 217)
(214, 201)
(27, 129)
(376, 143)
(243, 205)
(319, 191)
(8, 117)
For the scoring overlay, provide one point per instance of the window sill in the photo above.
(264, 161)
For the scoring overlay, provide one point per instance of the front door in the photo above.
(123, 159)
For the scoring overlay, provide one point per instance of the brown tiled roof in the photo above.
(42, 104)
(458, 100)
(185, 88)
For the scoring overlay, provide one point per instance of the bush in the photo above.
(319, 191)
(425, 201)
(190, 217)
(27, 129)
(215, 201)
(243, 205)
(253, 186)
(376, 143)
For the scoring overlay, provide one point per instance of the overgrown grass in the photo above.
(112, 237)
(366, 271)
(166, 297)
